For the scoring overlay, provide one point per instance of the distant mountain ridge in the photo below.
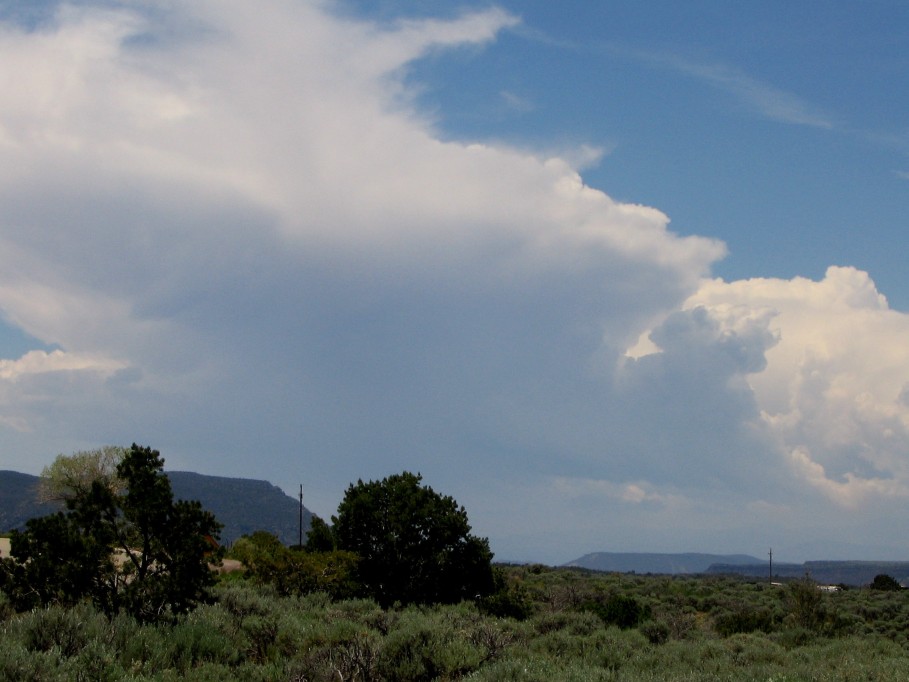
(19, 501)
(855, 573)
(643, 562)
(852, 573)
(243, 505)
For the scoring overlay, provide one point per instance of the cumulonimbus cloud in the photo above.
(834, 386)
(237, 225)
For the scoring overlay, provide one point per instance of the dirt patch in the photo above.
(229, 566)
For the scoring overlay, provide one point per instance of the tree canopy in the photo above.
(320, 537)
(885, 582)
(132, 548)
(72, 475)
(414, 544)
(295, 570)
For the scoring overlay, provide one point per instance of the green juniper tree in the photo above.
(321, 537)
(414, 544)
(885, 583)
(132, 549)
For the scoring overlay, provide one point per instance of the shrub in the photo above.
(242, 600)
(749, 649)
(356, 658)
(297, 572)
(805, 602)
(656, 631)
(613, 648)
(511, 601)
(17, 664)
(609, 649)
(54, 627)
(793, 637)
(145, 650)
(491, 638)
(261, 633)
(6, 607)
(426, 646)
(743, 619)
(575, 622)
(680, 621)
(96, 663)
(885, 583)
(538, 668)
(617, 609)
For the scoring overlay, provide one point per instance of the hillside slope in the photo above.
(18, 501)
(243, 505)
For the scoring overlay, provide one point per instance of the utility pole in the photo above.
(771, 558)
(301, 517)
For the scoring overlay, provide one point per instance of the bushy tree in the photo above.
(56, 562)
(131, 549)
(293, 571)
(72, 475)
(414, 544)
(321, 537)
(257, 550)
(886, 583)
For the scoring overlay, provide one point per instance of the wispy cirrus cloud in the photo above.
(760, 97)
(517, 102)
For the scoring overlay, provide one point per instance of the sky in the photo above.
(615, 276)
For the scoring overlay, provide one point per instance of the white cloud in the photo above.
(254, 202)
(34, 387)
(41, 362)
(831, 389)
(255, 253)
(761, 97)
(516, 102)
(769, 101)
(638, 492)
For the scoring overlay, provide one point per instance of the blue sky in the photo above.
(616, 276)
(778, 127)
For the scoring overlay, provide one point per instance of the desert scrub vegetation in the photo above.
(564, 624)
(424, 603)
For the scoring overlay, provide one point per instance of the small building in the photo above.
(4, 548)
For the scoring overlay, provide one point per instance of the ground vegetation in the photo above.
(319, 612)
(687, 629)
